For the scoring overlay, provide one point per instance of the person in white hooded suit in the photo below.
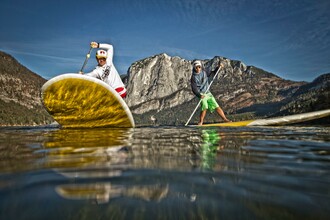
(105, 70)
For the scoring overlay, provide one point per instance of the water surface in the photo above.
(165, 173)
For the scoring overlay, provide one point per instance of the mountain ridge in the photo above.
(159, 92)
(20, 94)
(239, 89)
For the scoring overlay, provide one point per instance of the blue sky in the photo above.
(290, 38)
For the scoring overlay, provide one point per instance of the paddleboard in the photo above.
(284, 120)
(79, 101)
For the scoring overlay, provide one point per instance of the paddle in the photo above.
(208, 88)
(87, 57)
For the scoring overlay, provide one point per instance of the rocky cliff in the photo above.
(158, 83)
(309, 97)
(20, 102)
(159, 91)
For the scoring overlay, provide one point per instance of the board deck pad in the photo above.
(77, 101)
(284, 120)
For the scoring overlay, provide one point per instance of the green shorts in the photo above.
(208, 102)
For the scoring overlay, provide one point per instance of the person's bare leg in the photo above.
(222, 114)
(202, 116)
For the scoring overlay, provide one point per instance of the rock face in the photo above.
(158, 83)
(159, 90)
(20, 94)
(312, 96)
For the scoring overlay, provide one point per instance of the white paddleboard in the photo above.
(284, 120)
(77, 101)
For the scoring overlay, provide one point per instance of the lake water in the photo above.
(165, 173)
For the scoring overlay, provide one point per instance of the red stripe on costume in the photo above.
(121, 91)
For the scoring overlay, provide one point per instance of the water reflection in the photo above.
(210, 148)
(173, 173)
(109, 154)
(103, 192)
(79, 148)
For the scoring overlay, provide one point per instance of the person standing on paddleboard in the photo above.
(200, 84)
(105, 70)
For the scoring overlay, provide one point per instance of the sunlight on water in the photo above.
(165, 173)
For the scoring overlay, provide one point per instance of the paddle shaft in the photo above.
(87, 57)
(208, 88)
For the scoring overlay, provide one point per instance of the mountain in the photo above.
(159, 92)
(20, 102)
(312, 96)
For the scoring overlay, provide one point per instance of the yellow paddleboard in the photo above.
(78, 101)
(284, 120)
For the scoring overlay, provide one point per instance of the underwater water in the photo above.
(165, 173)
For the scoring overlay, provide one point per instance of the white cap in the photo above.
(197, 63)
(101, 54)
